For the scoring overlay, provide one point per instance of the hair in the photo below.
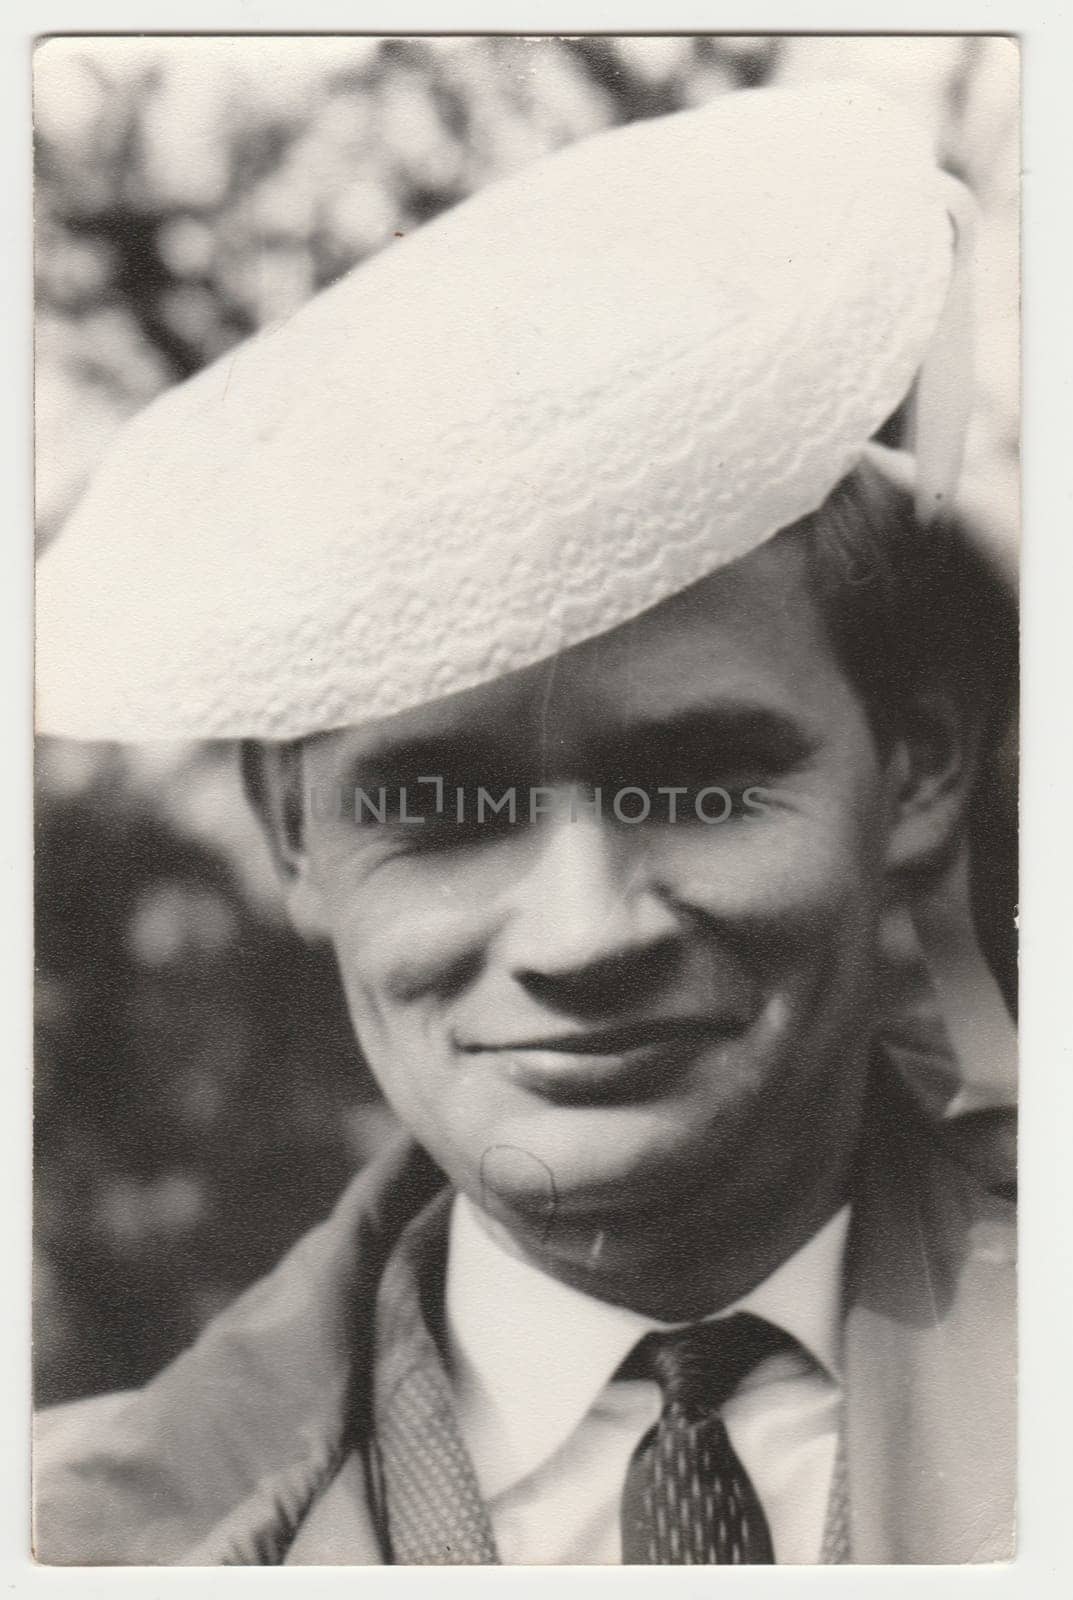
(910, 610)
(909, 607)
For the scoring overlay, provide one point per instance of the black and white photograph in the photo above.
(526, 799)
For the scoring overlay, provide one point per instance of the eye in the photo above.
(719, 799)
(444, 814)
(708, 768)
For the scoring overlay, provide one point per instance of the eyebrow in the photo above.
(757, 732)
(762, 731)
(424, 755)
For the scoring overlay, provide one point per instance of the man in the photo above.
(606, 698)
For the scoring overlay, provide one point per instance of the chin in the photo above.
(596, 1164)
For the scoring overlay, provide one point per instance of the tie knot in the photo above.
(699, 1367)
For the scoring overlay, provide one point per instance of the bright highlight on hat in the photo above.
(575, 394)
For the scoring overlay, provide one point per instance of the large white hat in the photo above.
(570, 397)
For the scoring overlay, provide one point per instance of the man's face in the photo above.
(583, 1017)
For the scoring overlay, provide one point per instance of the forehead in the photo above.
(750, 636)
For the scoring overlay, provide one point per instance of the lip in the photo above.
(631, 1062)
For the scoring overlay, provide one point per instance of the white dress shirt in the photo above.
(550, 1434)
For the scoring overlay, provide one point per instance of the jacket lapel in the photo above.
(930, 1352)
(338, 1530)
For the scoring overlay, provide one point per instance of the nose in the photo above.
(589, 930)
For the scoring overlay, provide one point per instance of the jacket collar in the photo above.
(930, 1346)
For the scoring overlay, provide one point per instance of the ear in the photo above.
(931, 769)
(272, 779)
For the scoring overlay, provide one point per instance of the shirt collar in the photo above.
(530, 1355)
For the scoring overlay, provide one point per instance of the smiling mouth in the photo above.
(632, 1062)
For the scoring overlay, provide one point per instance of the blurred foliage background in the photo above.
(199, 1096)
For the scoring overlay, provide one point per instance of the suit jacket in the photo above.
(247, 1449)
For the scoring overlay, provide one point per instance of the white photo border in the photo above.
(1043, 1564)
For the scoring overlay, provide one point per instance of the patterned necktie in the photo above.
(687, 1499)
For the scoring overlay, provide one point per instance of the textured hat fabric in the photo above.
(573, 395)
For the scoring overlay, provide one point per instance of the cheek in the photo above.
(409, 929)
(796, 889)
(791, 901)
(393, 960)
